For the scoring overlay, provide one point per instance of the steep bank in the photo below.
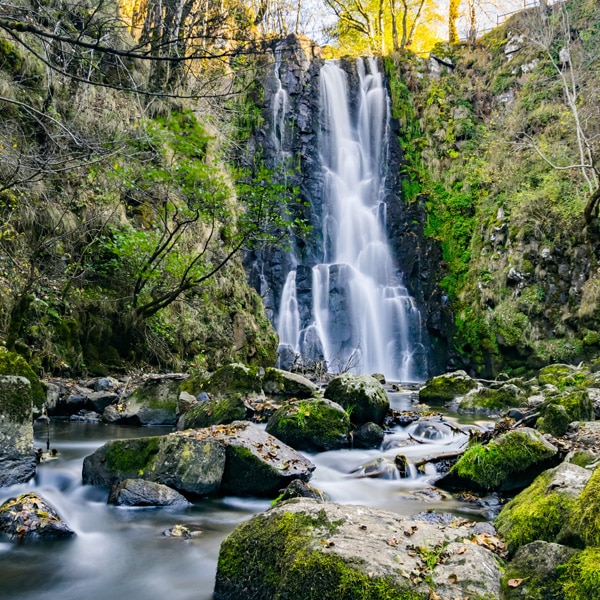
(487, 131)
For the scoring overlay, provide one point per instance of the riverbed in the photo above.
(123, 552)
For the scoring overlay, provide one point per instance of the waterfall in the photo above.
(362, 318)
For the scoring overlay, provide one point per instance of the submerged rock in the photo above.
(313, 550)
(137, 492)
(361, 395)
(30, 517)
(312, 425)
(17, 457)
(368, 435)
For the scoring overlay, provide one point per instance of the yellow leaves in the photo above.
(514, 583)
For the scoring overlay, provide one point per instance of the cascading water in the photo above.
(362, 317)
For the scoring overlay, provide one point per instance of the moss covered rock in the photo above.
(152, 403)
(363, 397)
(511, 461)
(564, 376)
(586, 512)
(178, 461)
(325, 551)
(283, 383)
(543, 510)
(492, 399)
(446, 387)
(214, 411)
(12, 363)
(534, 571)
(17, 459)
(579, 577)
(235, 378)
(555, 420)
(257, 464)
(312, 425)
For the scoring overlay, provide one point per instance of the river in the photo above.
(122, 552)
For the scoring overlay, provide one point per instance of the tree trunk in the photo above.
(452, 18)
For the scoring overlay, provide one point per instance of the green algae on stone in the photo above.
(504, 462)
(543, 510)
(12, 363)
(586, 512)
(492, 399)
(537, 566)
(311, 425)
(215, 411)
(362, 396)
(446, 387)
(277, 555)
(580, 576)
(563, 376)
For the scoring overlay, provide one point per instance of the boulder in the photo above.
(363, 397)
(446, 387)
(188, 465)
(152, 403)
(257, 464)
(98, 401)
(368, 435)
(509, 462)
(586, 511)
(233, 379)
(277, 382)
(564, 376)
(14, 364)
(214, 411)
(543, 510)
(317, 551)
(137, 492)
(239, 458)
(312, 425)
(492, 400)
(558, 410)
(30, 517)
(533, 572)
(17, 458)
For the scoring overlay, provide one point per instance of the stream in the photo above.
(123, 552)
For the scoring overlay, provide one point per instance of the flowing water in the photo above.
(122, 552)
(362, 317)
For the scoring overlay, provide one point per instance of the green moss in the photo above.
(580, 576)
(490, 466)
(216, 411)
(131, 457)
(276, 555)
(12, 363)
(493, 399)
(361, 395)
(15, 401)
(11, 59)
(234, 378)
(311, 425)
(555, 420)
(563, 376)
(535, 514)
(586, 513)
(444, 388)
(583, 458)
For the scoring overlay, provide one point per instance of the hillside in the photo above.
(494, 135)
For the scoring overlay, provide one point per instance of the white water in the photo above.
(363, 316)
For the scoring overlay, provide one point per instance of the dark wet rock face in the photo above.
(30, 517)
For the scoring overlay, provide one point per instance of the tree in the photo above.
(572, 59)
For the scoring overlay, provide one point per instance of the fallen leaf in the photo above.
(513, 583)
(461, 550)
(452, 578)
(410, 531)
(392, 542)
